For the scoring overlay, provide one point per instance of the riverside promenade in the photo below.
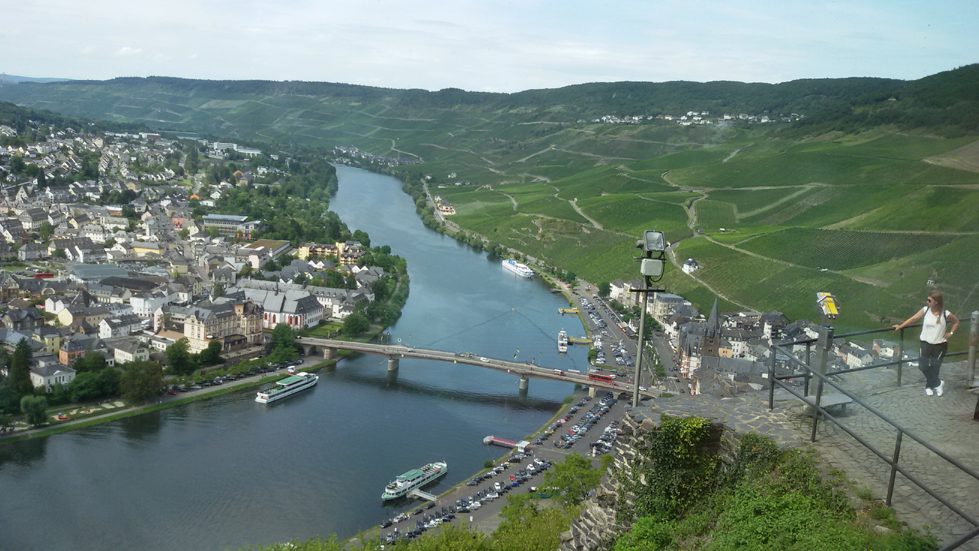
(945, 422)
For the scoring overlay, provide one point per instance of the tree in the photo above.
(20, 368)
(17, 164)
(355, 324)
(282, 345)
(604, 289)
(183, 234)
(84, 387)
(33, 407)
(212, 354)
(528, 527)
(92, 361)
(141, 381)
(179, 359)
(9, 399)
(362, 236)
(573, 478)
(108, 382)
(45, 231)
(217, 291)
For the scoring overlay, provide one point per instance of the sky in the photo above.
(488, 45)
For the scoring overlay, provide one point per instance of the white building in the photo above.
(50, 375)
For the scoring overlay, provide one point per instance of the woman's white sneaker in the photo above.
(929, 391)
(941, 388)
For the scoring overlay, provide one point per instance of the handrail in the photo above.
(821, 412)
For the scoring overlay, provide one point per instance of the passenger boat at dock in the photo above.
(562, 341)
(415, 478)
(521, 270)
(287, 387)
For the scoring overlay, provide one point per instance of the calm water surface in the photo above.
(228, 472)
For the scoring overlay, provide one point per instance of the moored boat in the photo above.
(415, 478)
(286, 387)
(521, 270)
(562, 341)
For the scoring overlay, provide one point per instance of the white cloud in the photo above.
(126, 51)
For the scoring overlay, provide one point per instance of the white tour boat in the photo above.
(287, 387)
(415, 478)
(520, 269)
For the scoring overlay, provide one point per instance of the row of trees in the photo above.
(180, 361)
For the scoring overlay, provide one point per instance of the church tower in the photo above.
(711, 343)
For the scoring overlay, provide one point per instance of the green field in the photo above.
(713, 215)
(869, 207)
(840, 250)
(748, 201)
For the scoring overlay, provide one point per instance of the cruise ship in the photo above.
(415, 478)
(520, 269)
(287, 387)
(562, 341)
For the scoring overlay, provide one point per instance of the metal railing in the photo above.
(821, 378)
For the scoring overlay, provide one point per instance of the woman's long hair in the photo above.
(939, 300)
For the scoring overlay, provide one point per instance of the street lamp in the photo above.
(651, 265)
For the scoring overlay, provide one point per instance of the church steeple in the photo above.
(713, 328)
(712, 334)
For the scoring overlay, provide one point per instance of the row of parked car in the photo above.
(588, 420)
(269, 368)
(605, 442)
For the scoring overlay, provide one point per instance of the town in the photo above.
(110, 255)
(730, 353)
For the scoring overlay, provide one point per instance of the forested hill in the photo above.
(945, 103)
(97, 98)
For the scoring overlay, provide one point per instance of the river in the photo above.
(228, 472)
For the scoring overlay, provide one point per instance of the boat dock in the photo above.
(496, 440)
(567, 310)
(422, 495)
(579, 340)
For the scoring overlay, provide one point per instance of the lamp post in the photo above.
(652, 262)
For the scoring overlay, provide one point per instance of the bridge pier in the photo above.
(329, 353)
(524, 384)
(393, 364)
(592, 392)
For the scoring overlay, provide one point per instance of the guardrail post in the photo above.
(771, 378)
(897, 455)
(973, 339)
(808, 363)
(823, 345)
(900, 357)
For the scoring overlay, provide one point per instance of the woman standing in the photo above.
(934, 340)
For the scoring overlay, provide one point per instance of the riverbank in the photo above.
(80, 421)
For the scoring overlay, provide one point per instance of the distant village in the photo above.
(128, 281)
(725, 354)
(699, 117)
(344, 154)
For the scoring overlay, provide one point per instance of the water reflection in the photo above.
(24, 453)
(142, 428)
(521, 400)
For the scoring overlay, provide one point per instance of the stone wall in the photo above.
(597, 528)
